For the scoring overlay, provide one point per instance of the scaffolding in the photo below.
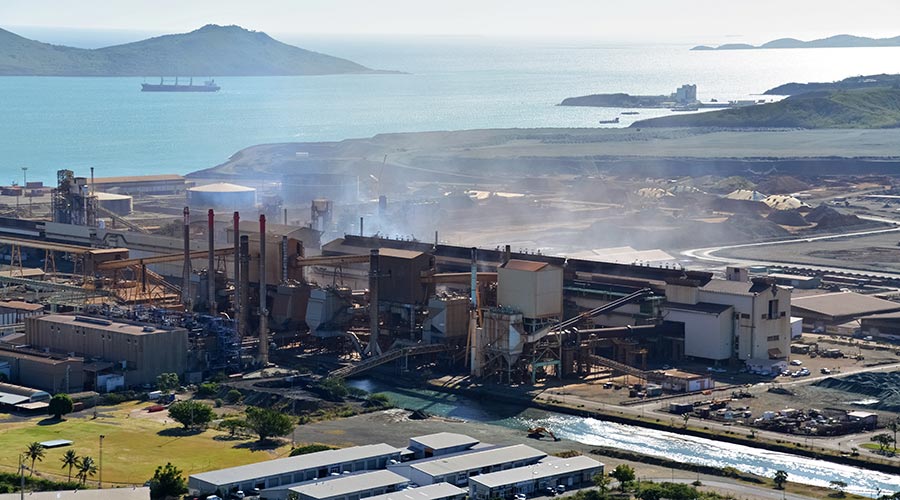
(72, 201)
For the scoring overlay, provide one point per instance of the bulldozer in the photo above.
(540, 432)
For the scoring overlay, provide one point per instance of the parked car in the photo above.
(796, 362)
(825, 371)
(550, 491)
(560, 488)
(520, 496)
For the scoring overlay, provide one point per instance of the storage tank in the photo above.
(221, 196)
(118, 204)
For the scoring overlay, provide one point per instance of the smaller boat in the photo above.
(614, 120)
(630, 113)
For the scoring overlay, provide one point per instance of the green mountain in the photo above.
(209, 51)
(857, 108)
(793, 43)
(854, 82)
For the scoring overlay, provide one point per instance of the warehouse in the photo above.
(571, 473)
(458, 468)
(438, 491)
(15, 396)
(141, 184)
(441, 443)
(44, 371)
(291, 470)
(139, 351)
(15, 311)
(828, 312)
(342, 487)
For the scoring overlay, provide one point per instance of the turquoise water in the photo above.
(686, 449)
(52, 123)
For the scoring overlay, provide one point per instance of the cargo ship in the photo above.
(208, 86)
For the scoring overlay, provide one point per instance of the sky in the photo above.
(684, 21)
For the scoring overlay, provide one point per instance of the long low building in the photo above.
(341, 487)
(457, 469)
(568, 472)
(437, 491)
(440, 443)
(292, 470)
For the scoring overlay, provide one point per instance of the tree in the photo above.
(60, 405)
(268, 423)
(35, 451)
(884, 440)
(191, 414)
(686, 417)
(167, 381)
(378, 400)
(332, 388)
(651, 491)
(624, 474)
(838, 486)
(86, 468)
(894, 426)
(601, 481)
(232, 425)
(167, 482)
(233, 396)
(310, 448)
(780, 478)
(70, 460)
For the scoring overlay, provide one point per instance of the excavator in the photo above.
(540, 432)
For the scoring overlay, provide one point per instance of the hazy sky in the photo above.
(689, 21)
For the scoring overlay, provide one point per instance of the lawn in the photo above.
(132, 447)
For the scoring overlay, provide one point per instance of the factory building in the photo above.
(138, 352)
(341, 487)
(537, 479)
(441, 443)
(141, 185)
(292, 470)
(222, 196)
(52, 373)
(439, 491)
(119, 204)
(533, 288)
(457, 469)
(23, 398)
(13, 312)
(839, 312)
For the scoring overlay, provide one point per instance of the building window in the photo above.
(773, 309)
(773, 338)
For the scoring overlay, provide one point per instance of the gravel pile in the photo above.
(878, 385)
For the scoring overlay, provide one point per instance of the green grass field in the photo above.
(132, 448)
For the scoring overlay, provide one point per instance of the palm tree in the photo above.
(70, 460)
(86, 469)
(35, 452)
(894, 426)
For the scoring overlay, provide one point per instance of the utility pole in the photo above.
(21, 477)
(100, 484)
(25, 186)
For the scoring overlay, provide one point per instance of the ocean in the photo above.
(51, 123)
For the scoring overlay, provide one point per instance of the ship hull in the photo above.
(146, 87)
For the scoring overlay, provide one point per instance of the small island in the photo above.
(835, 41)
(209, 51)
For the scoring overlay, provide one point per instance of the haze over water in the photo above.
(51, 123)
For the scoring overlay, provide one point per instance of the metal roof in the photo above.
(441, 440)
(435, 491)
(106, 325)
(747, 288)
(293, 464)
(476, 460)
(141, 493)
(138, 178)
(112, 196)
(399, 253)
(221, 187)
(18, 304)
(550, 468)
(348, 484)
(525, 265)
(842, 304)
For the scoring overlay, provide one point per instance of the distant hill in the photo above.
(862, 108)
(793, 43)
(209, 51)
(855, 82)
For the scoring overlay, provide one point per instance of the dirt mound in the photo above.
(755, 228)
(730, 184)
(787, 218)
(878, 385)
(826, 217)
(782, 184)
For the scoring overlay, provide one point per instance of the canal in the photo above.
(686, 449)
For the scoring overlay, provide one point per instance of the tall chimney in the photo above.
(284, 259)
(507, 253)
(211, 265)
(263, 311)
(373, 348)
(237, 271)
(186, 270)
(474, 278)
(285, 217)
(360, 227)
(244, 311)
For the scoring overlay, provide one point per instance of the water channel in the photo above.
(686, 449)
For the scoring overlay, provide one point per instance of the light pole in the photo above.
(100, 482)
(21, 477)
(25, 187)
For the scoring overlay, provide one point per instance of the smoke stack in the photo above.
(244, 311)
(284, 259)
(474, 278)
(435, 239)
(360, 227)
(373, 348)
(263, 311)
(186, 270)
(285, 217)
(211, 265)
(507, 253)
(237, 271)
